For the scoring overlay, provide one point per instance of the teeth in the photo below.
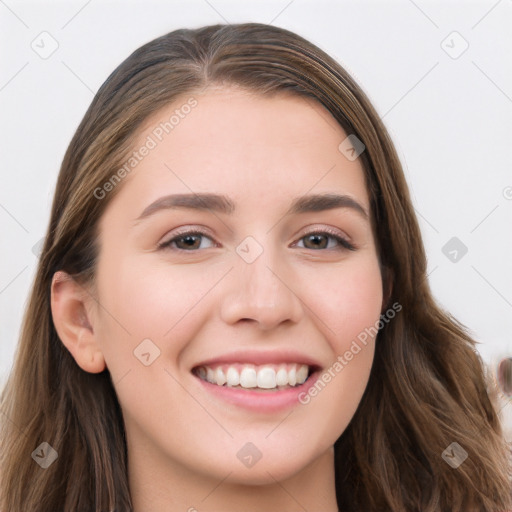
(302, 374)
(220, 378)
(251, 376)
(210, 376)
(282, 377)
(232, 377)
(267, 378)
(248, 378)
(292, 376)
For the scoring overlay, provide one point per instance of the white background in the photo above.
(450, 118)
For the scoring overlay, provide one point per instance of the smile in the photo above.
(250, 376)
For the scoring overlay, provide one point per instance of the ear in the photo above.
(71, 317)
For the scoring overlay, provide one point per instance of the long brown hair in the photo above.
(426, 389)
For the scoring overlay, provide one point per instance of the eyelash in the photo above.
(345, 245)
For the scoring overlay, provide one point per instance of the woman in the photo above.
(295, 361)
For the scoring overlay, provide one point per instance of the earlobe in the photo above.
(73, 325)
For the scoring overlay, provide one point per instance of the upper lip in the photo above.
(258, 357)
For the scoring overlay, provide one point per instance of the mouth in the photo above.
(256, 382)
(266, 378)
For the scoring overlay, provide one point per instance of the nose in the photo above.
(264, 292)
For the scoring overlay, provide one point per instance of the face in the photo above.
(244, 286)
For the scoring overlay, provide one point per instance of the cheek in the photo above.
(346, 300)
(349, 303)
(153, 302)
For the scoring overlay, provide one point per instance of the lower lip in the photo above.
(260, 401)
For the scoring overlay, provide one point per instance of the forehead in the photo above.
(245, 145)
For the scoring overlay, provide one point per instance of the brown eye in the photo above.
(320, 240)
(187, 241)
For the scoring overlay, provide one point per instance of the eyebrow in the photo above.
(222, 204)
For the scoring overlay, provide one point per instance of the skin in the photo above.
(204, 302)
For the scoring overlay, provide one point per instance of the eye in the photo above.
(187, 240)
(318, 237)
(191, 240)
